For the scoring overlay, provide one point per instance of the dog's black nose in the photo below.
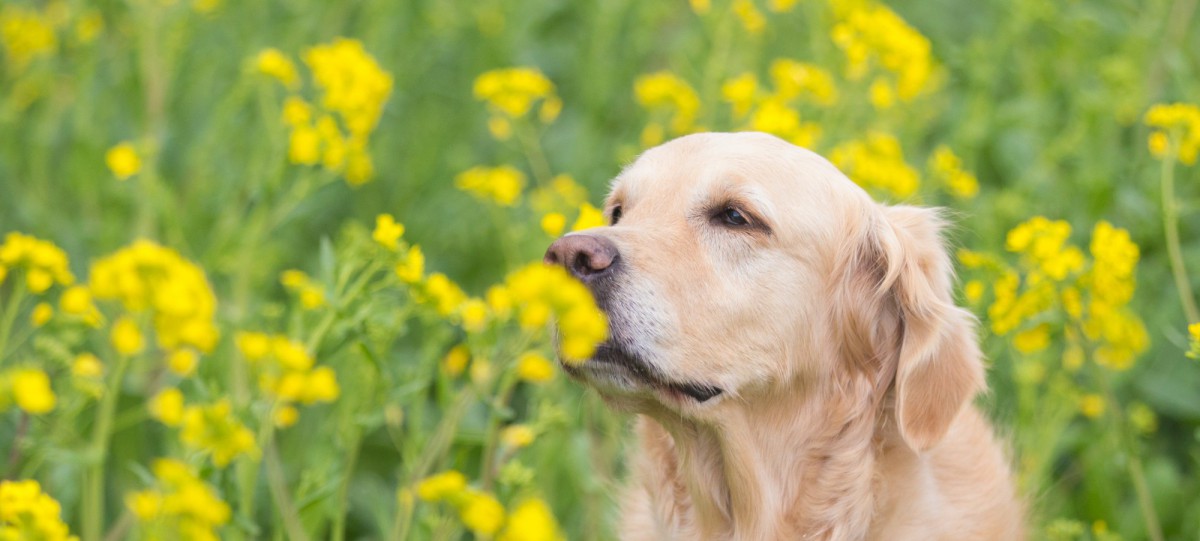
(586, 256)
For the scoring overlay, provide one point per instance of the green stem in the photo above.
(542, 172)
(10, 315)
(436, 448)
(283, 502)
(1171, 229)
(339, 517)
(93, 491)
(493, 427)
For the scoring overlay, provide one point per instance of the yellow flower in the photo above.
(499, 301)
(442, 486)
(443, 294)
(1176, 125)
(285, 416)
(42, 313)
(589, 217)
(28, 513)
(1032, 340)
(974, 291)
(501, 185)
(44, 263)
(517, 436)
(752, 19)
(541, 290)
(253, 345)
(794, 79)
(740, 92)
(352, 83)
(183, 362)
(304, 145)
(481, 513)
(310, 292)
(946, 167)
(534, 368)
(180, 505)
(700, 6)
(296, 111)
(31, 391)
(871, 34)
(126, 337)
(455, 361)
(512, 91)
(877, 162)
(500, 128)
(474, 315)
(1091, 405)
(531, 520)
(412, 269)
(553, 223)
(664, 91)
(272, 62)
(387, 231)
(147, 277)
(652, 135)
(781, 6)
(214, 429)
(167, 406)
(26, 35)
(76, 301)
(123, 161)
(87, 365)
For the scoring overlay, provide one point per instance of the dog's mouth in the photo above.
(611, 355)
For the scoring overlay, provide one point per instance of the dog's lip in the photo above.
(614, 355)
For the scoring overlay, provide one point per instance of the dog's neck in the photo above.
(793, 466)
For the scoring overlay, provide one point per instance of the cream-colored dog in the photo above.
(793, 351)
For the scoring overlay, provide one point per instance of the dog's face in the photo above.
(725, 272)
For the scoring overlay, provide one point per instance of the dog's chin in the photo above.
(619, 375)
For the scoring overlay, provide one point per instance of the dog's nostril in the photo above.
(583, 264)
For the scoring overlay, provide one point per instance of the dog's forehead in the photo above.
(758, 166)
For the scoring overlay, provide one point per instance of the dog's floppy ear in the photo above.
(905, 320)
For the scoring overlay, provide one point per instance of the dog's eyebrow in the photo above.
(747, 199)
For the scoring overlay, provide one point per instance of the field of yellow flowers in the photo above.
(269, 269)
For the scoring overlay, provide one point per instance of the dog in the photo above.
(792, 350)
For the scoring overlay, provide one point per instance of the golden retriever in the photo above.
(792, 350)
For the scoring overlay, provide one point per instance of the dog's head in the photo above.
(735, 266)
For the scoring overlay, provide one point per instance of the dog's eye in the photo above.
(733, 217)
(616, 215)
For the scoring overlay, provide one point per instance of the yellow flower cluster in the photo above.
(774, 112)
(287, 373)
(946, 167)
(869, 33)
(213, 429)
(665, 93)
(541, 291)
(1194, 334)
(794, 79)
(42, 262)
(1176, 127)
(1054, 274)
(501, 185)
(352, 83)
(752, 19)
(877, 162)
(1111, 282)
(485, 516)
(180, 506)
(26, 35)
(1043, 246)
(148, 277)
(510, 94)
(353, 90)
(559, 197)
(310, 292)
(28, 513)
(29, 389)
